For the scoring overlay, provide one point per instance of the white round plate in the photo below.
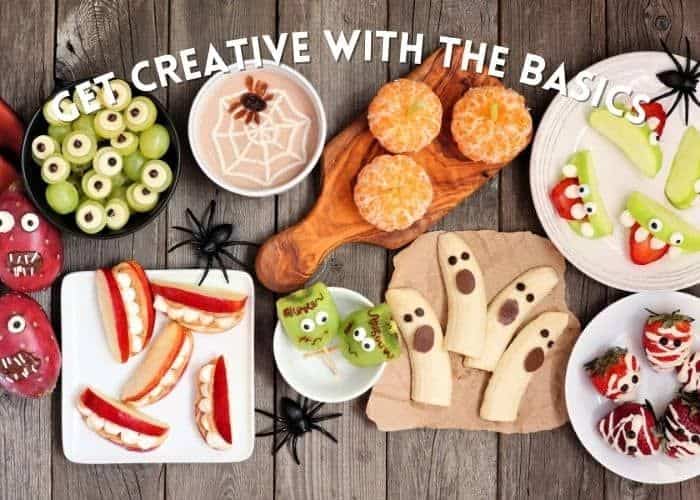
(564, 129)
(310, 376)
(621, 324)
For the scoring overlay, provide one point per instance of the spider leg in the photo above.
(326, 417)
(281, 443)
(178, 245)
(670, 54)
(675, 103)
(271, 432)
(314, 409)
(238, 242)
(189, 214)
(664, 95)
(324, 432)
(687, 54)
(210, 211)
(686, 104)
(233, 258)
(221, 266)
(695, 99)
(206, 271)
(270, 415)
(184, 229)
(294, 450)
(695, 68)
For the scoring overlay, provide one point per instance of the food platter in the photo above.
(564, 129)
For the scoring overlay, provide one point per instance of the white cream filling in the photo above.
(657, 244)
(641, 234)
(571, 192)
(127, 436)
(626, 219)
(578, 212)
(193, 316)
(653, 122)
(206, 406)
(133, 319)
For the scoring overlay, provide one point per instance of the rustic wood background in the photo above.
(46, 39)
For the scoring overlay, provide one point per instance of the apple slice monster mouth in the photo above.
(19, 366)
(656, 231)
(24, 263)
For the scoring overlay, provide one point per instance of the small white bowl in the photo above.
(310, 377)
(313, 159)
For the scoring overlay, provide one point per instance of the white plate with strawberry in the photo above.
(632, 387)
(157, 370)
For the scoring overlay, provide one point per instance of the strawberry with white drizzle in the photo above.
(681, 424)
(689, 373)
(667, 339)
(615, 374)
(631, 429)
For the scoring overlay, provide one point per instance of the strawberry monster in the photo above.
(681, 424)
(309, 317)
(29, 356)
(689, 373)
(577, 199)
(615, 374)
(31, 250)
(667, 339)
(656, 231)
(369, 336)
(631, 429)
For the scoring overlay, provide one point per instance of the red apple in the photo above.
(220, 403)
(144, 297)
(207, 300)
(123, 415)
(113, 315)
(158, 361)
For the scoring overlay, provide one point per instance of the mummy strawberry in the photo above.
(126, 305)
(577, 199)
(689, 373)
(615, 374)
(656, 231)
(119, 423)
(631, 429)
(31, 250)
(199, 309)
(681, 424)
(161, 369)
(212, 411)
(29, 356)
(667, 339)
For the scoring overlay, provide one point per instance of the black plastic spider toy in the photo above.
(682, 81)
(298, 418)
(210, 241)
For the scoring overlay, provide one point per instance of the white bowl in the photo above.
(313, 159)
(310, 377)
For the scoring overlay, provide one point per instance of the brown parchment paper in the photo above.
(502, 257)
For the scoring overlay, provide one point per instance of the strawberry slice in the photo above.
(561, 202)
(641, 252)
(655, 110)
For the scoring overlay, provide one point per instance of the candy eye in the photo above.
(30, 222)
(655, 225)
(322, 318)
(368, 345)
(16, 324)
(676, 239)
(583, 190)
(590, 208)
(308, 325)
(359, 334)
(7, 222)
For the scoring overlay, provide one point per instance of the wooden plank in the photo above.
(428, 463)
(93, 38)
(25, 425)
(549, 463)
(633, 26)
(196, 24)
(355, 468)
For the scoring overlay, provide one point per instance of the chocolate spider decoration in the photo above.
(252, 103)
(298, 418)
(682, 80)
(211, 242)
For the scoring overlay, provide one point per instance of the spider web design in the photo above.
(256, 147)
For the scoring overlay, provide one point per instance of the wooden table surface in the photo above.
(67, 39)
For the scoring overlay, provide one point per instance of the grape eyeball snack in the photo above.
(105, 165)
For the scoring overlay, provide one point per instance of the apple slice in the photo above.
(113, 315)
(199, 309)
(144, 297)
(212, 407)
(162, 368)
(120, 423)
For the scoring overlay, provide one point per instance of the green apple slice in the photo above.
(638, 142)
(681, 188)
(598, 223)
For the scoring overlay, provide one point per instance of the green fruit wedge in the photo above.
(685, 170)
(599, 220)
(635, 141)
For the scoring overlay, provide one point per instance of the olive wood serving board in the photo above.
(288, 259)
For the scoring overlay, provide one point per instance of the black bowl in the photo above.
(36, 186)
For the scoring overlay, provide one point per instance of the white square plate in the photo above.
(87, 361)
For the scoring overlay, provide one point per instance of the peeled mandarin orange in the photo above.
(392, 192)
(405, 116)
(491, 124)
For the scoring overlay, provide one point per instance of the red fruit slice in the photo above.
(561, 203)
(641, 252)
(222, 416)
(11, 130)
(144, 297)
(113, 315)
(8, 174)
(121, 414)
(208, 300)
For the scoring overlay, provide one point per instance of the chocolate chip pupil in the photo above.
(452, 260)
(77, 143)
(253, 102)
(677, 343)
(88, 217)
(53, 167)
(111, 162)
(407, 318)
(419, 312)
(121, 138)
(465, 256)
(110, 212)
(663, 341)
(111, 117)
(529, 297)
(134, 112)
(153, 173)
(520, 287)
(544, 333)
(41, 147)
(146, 192)
(635, 379)
(98, 185)
(631, 434)
(624, 388)
(16, 324)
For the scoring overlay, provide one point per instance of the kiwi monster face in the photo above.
(369, 337)
(309, 317)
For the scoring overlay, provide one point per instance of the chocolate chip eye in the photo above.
(544, 333)
(530, 297)
(465, 255)
(676, 239)
(655, 225)
(695, 439)
(16, 324)
(550, 344)
(322, 318)
(635, 379)
(624, 388)
(419, 312)
(520, 287)
(631, 435)
(632, 449)
(452, 260)
(407, 318)
(359, 333)
(307, 325)
(677, 343)
(368, 345)
(583, 190)
(663, 341)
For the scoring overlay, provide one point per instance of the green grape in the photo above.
(154, 142)
(59, 131)
(86, 123)
(133, 164)
(62, 197)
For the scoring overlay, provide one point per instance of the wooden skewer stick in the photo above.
(325, 350)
